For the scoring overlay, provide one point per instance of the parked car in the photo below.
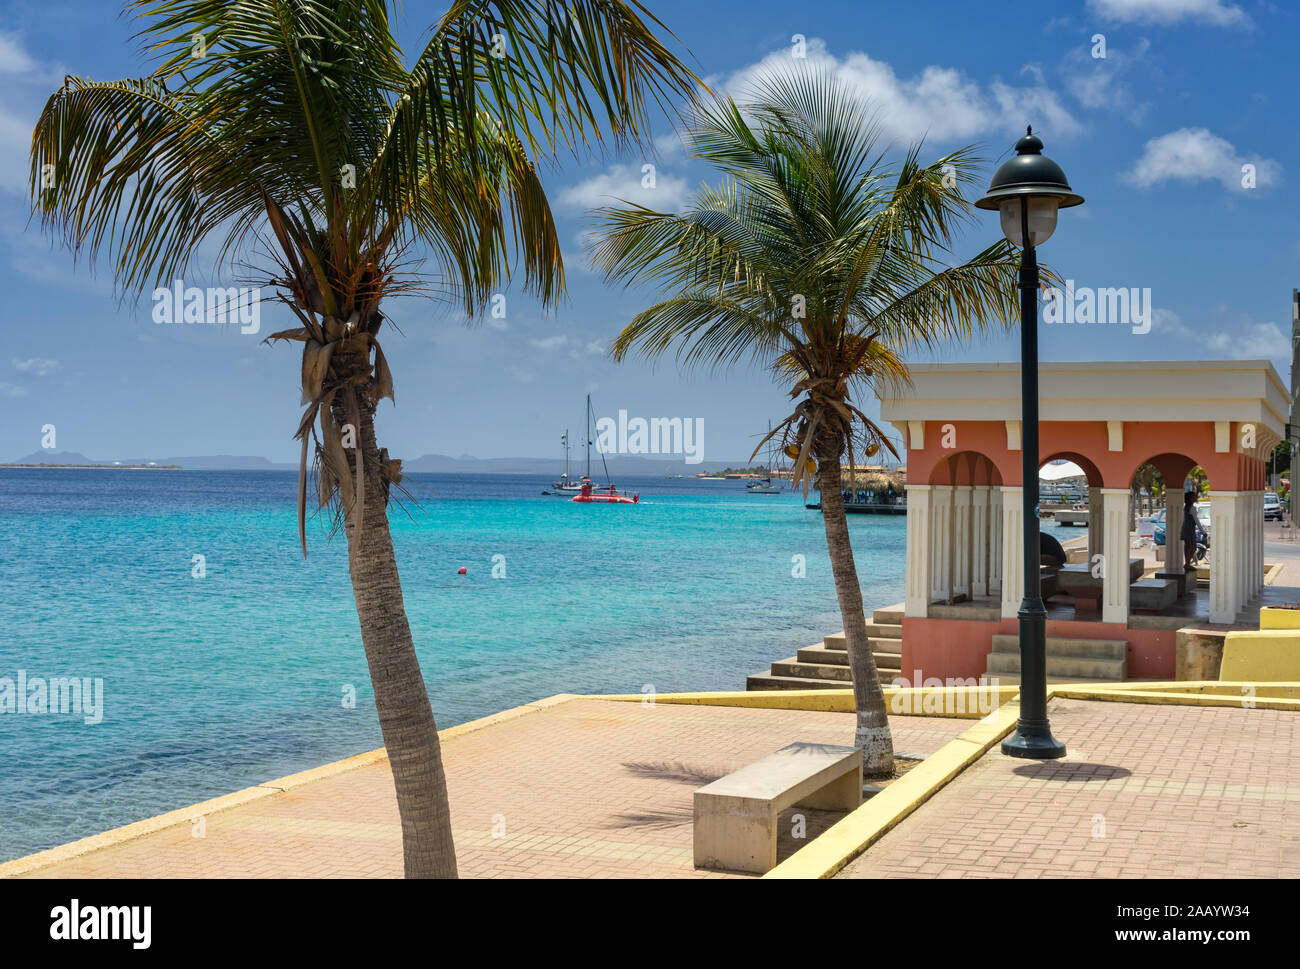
(1202, 515)
(1272, 507)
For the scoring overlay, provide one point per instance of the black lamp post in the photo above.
(1028, 190)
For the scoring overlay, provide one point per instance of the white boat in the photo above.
(764, 486)
(584, 489)
(566, 486)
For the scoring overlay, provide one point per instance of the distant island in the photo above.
(619, 464)
(101, 467)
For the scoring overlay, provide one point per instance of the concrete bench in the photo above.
(735, 816)
(1078, 581)
(1049, 585)
(1183, 581)
(1152, 595)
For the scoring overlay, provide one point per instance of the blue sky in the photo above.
(1154, 135)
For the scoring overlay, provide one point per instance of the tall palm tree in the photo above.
(294, 133)
(818, 259)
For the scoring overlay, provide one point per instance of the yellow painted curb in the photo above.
(1241, 700)
(834, 701)
(951, 701)
(852, 835)
(1280, 689)
(187, 815)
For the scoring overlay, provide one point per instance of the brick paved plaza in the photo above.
(584, 787)
(1158, 791)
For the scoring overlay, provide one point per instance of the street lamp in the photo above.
(1027, 190)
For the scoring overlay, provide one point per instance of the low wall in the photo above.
(959, 647)
(1198, 654)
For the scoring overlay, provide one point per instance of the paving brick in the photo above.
(587, 788)
(1179, 791)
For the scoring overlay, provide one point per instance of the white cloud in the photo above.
(1233, 339)
(27, 84)
(644, 184)
(9, 390)
(13, 59)
(1251, 341)
(15, 147)
(1195, 155)
(940, 102)
(1213, 12)
(1098, 82)
(576, 348)
(36, 366)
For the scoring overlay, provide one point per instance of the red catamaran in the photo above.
(587, 492)
(611, 496)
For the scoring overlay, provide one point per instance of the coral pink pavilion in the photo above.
(961, 425)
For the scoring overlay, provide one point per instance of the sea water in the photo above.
(246, 664)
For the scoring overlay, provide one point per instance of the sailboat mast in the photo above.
(587, 418)
(566, 454)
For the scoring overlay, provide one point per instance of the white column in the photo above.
(1013, 558)
(1226, 564)
(1243, 543)
(940, 542)
(980, 543)
(1115, 540)
(918, 551)
(1257, 530)
(962, 543)
(995, 540)
(1251, 511)
(1096, 523)
(1173, 527)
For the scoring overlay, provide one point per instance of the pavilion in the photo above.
(961, 427)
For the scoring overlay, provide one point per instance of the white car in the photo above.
(1272, 506)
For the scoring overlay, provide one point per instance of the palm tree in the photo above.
(293, 133)
(817, 259)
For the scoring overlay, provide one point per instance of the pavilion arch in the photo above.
(1173, 466)
(966, 468)
(1085, 464)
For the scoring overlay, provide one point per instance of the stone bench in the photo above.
(1048, 584)
(1183, 581)
(735, 816)
(1152, 595)
(1078, 581)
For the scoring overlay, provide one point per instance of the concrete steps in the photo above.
(825, 665)
(814, 671)
(885, 660)
(1067, 658)
(770, 681)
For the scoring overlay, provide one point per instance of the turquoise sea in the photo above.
(216, 683)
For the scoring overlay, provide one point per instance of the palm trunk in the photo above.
(872, 729)
(405, 715)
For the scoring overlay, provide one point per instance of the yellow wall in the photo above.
(1271, 617)
(1268, 655)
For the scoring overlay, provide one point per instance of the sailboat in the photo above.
(588, 494)
(764, 486)
(566, 486)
